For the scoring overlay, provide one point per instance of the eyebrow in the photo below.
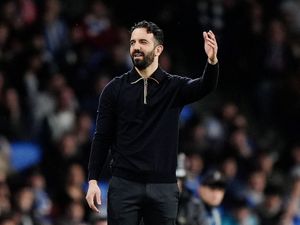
(139, 40)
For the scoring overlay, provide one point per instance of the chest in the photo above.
(143, 100)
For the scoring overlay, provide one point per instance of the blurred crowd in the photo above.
(57, 55)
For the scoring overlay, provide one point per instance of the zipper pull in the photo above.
(145, 90)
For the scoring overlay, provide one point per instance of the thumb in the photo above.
(204, 35)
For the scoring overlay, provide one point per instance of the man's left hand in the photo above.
(211, 47)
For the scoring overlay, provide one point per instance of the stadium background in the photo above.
(56, 56)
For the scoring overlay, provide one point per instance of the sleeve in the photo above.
(104, 132)
(195, 89)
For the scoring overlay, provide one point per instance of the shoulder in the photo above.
(122, 76)
(196, 203)
(115, 82)
(176, 78)
(112, 88)
(171, 76)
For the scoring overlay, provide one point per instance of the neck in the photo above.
(147, 72)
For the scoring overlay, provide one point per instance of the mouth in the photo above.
(138, 55)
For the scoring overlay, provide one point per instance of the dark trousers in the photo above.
(133, 203)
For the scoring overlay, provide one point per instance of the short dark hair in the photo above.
(151, 28)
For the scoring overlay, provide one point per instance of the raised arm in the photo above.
(194, 89)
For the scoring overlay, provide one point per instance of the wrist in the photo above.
(91, 182)
(212, 61)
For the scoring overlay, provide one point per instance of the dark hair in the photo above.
(151, 28)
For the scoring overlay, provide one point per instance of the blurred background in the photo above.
(57, 55)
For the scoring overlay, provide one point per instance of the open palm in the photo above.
(210, 46)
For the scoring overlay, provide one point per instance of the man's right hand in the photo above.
(93, 195)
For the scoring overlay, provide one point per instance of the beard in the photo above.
(147, 59)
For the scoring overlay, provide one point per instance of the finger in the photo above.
(212, 45)
(92, 204)
(211, 37)
(93, 207)
(211, 42)
(90, 201)
(211, 33)
(98, 198)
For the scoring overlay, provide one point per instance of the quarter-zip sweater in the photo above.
(138, 121)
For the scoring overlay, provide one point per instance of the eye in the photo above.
(144, 42)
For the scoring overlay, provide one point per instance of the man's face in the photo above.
(142, 48)
(211, 196)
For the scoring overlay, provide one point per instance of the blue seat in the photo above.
(24, 155)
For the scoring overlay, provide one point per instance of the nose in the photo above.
(136, 46)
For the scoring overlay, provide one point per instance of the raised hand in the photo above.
(210, 46)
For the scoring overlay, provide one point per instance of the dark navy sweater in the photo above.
(138, 120)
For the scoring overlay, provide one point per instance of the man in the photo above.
(137, 120)
(204, 209)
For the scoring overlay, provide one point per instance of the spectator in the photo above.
(271, 210)
(55, 29)
(14, 123)
(42, 202)
(195, 167)
(254, 189)
(241, 213)
(63, 118)
(54, 59)
(74, 215)
(5, 195)
(234, 180)
(292, 203)
(24, 203)
(204, 210)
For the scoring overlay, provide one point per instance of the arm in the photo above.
(195, 89)
(103, 137)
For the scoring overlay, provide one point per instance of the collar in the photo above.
(157, 76)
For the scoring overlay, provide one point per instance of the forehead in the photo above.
(212, 189)
(141, 33)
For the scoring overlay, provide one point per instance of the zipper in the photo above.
(145, 86)
(145, 90)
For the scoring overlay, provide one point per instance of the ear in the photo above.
(159, 49)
